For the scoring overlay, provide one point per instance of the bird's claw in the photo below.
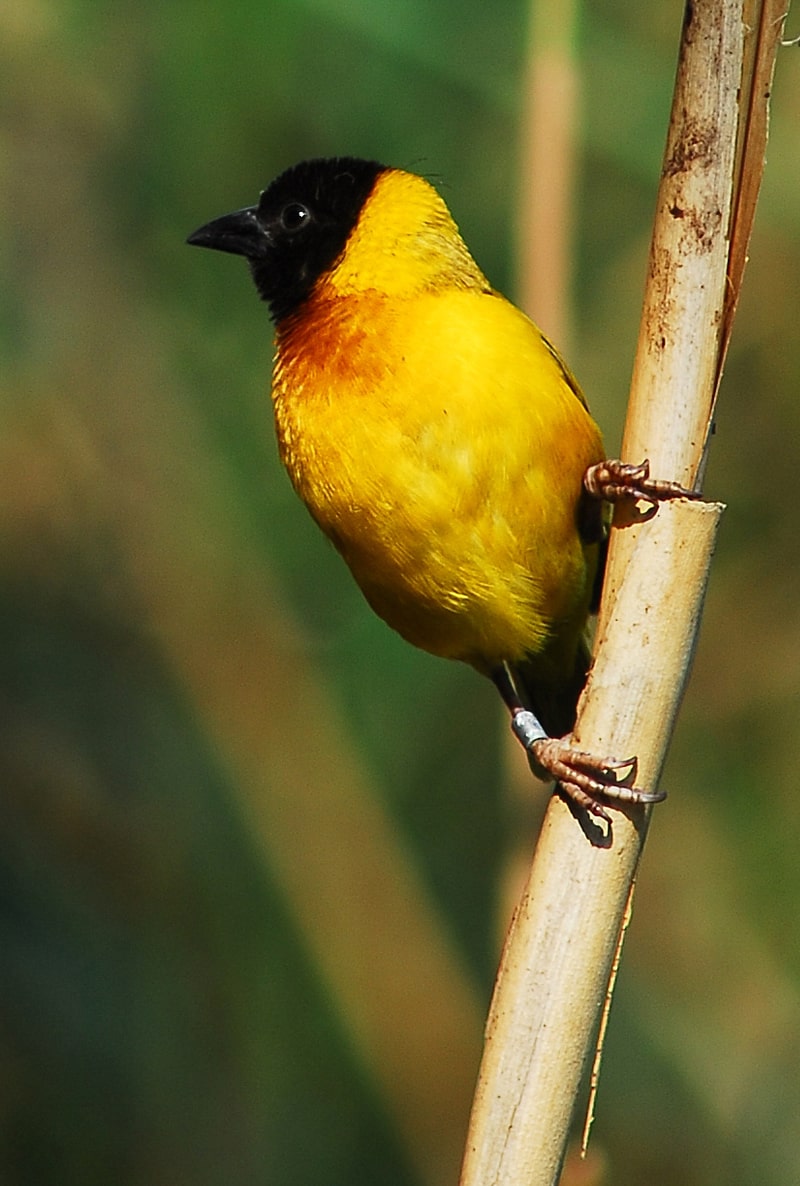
(619, 481)
(587, 779)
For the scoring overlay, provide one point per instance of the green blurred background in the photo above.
(256, 854)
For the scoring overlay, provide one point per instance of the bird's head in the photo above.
(348, 224)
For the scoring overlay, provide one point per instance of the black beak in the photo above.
(240, 233)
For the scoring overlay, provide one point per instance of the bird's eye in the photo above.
(294, 216)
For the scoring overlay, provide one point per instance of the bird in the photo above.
(440, 442)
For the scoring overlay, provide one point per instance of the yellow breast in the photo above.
(438, 442)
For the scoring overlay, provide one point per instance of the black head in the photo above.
(298, 229)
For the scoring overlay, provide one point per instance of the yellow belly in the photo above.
(442, 449)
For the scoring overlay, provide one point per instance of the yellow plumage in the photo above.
(437, 439)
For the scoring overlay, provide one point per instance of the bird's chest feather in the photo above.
(445, 467)
(369, 442)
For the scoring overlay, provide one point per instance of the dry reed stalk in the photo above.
(558, 956)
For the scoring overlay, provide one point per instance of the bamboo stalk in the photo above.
(560, 950)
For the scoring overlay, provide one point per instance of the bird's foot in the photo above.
(584, 778)
(618, 481)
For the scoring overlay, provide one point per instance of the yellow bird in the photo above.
(439, 440)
